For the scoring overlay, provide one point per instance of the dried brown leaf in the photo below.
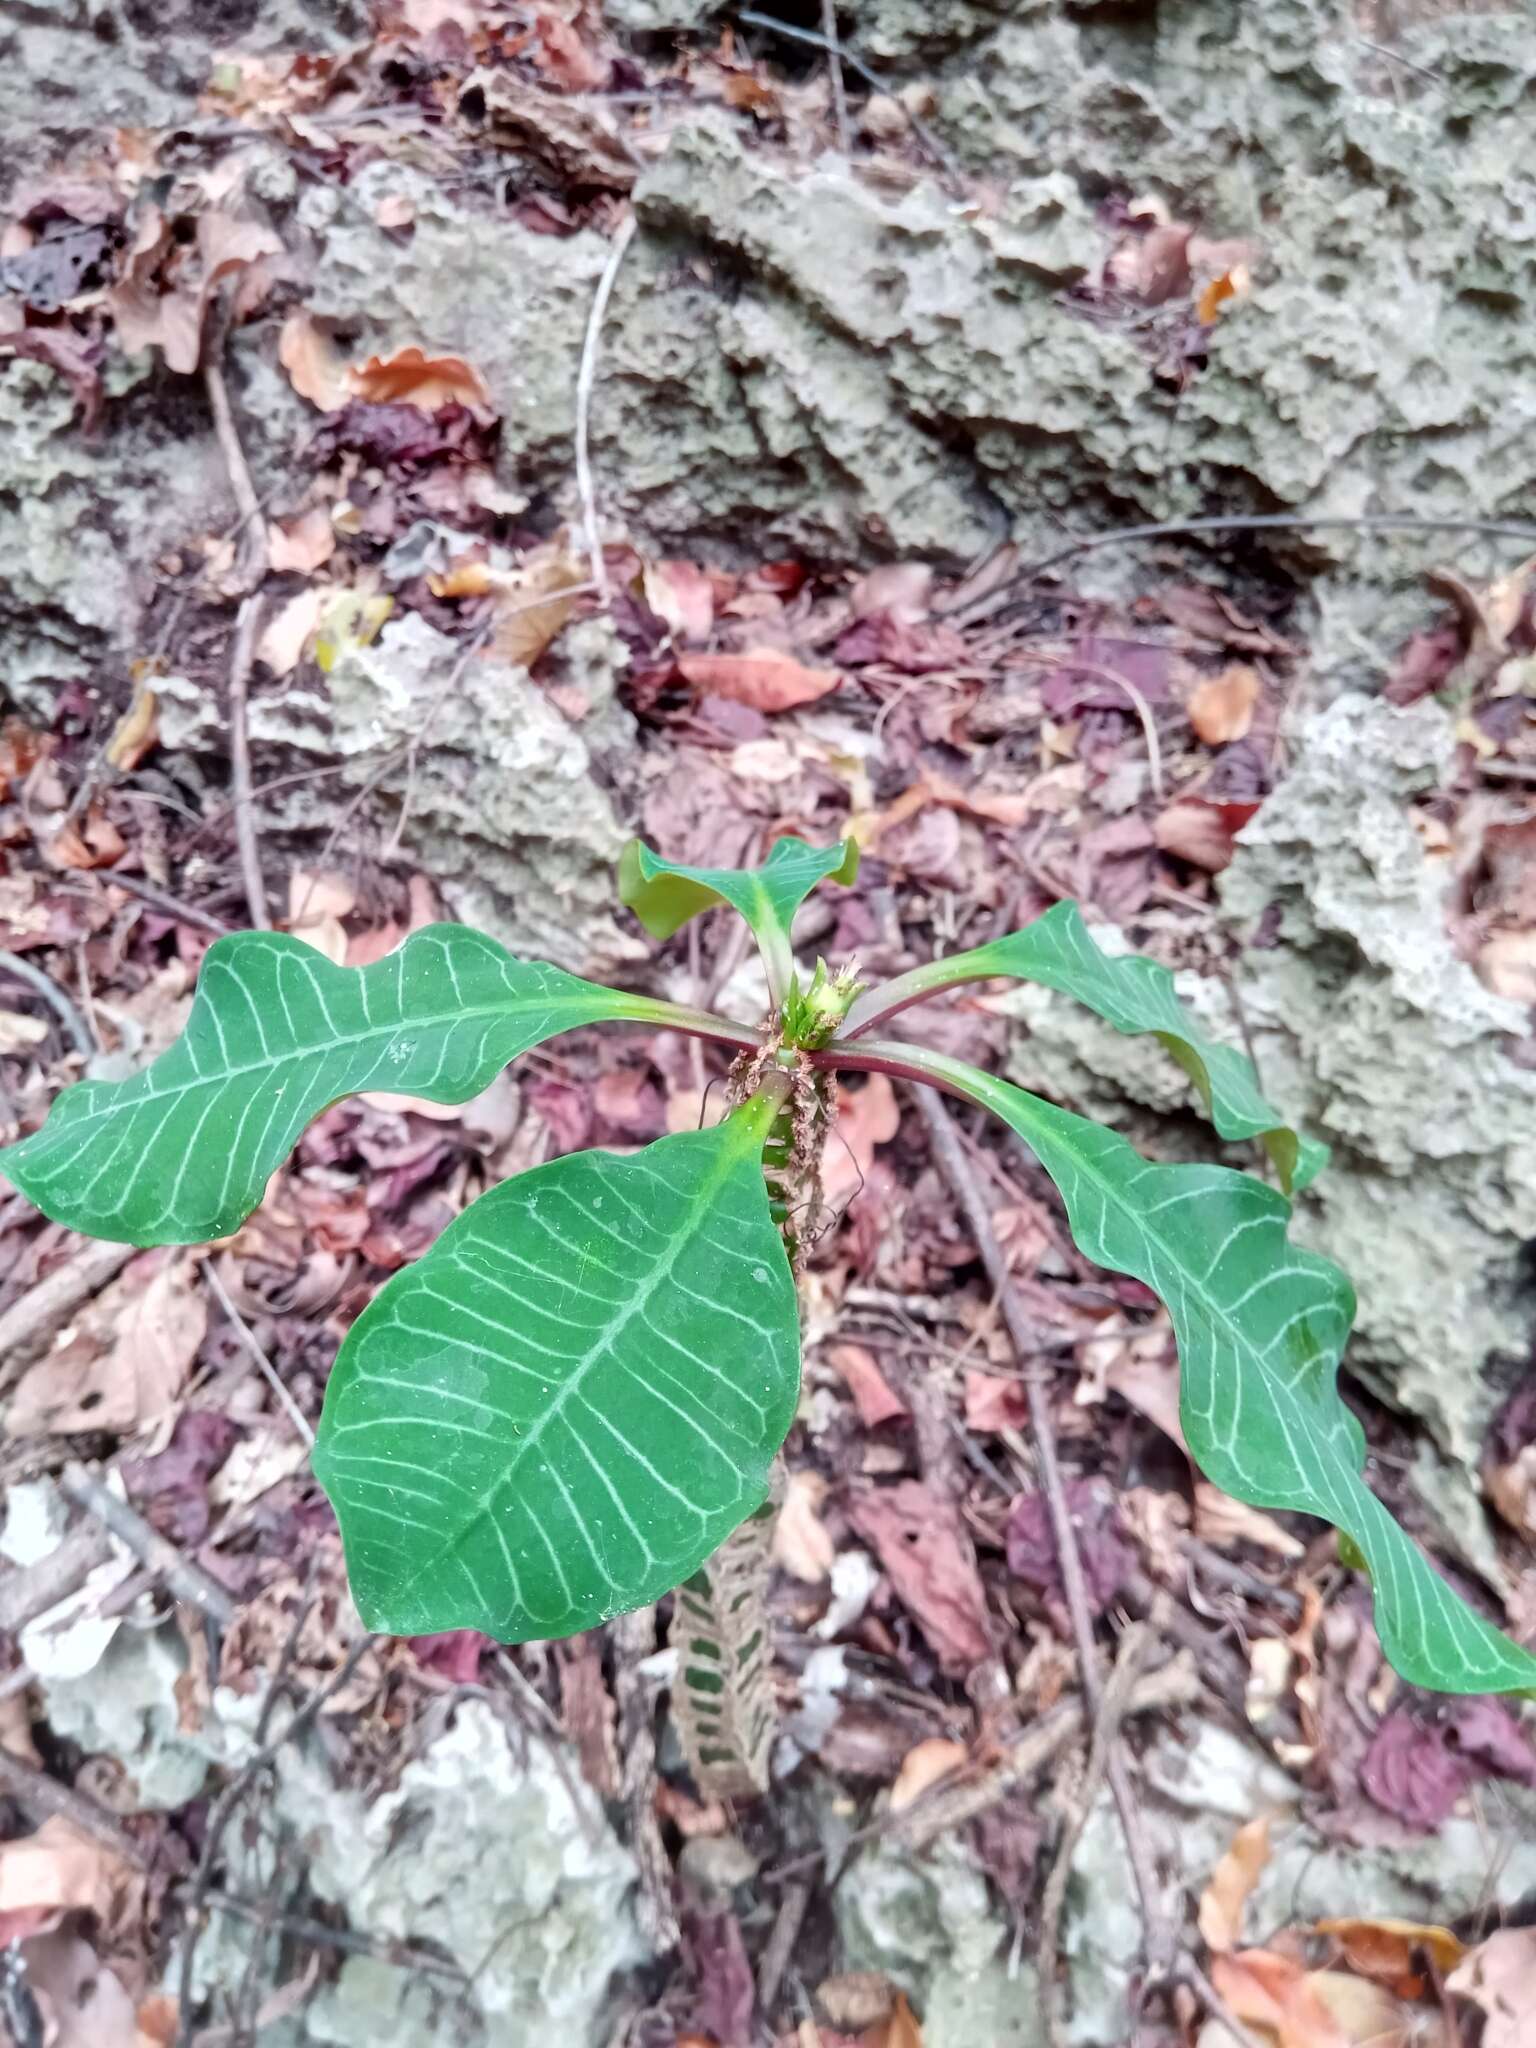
(762, 678)
(924, 1766)
(1221, 707)
(872, 1396)
(1225, 1897)
(411, 377)
(1394, 1952)
(302, 543)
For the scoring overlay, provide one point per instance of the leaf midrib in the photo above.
(703, 1197)
(508, 1009)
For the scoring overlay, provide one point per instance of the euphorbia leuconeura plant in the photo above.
(563, 1408)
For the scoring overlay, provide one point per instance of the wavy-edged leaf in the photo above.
(1260, 1327)
(664, 895)
(1135, 996)
(563, 1408)
(182, 1151)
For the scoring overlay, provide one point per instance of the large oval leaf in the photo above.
(1260, 1327)
(183, 1151)
(563, 1408)
(1134, 995)
(664, 895)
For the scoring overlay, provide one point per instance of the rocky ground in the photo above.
(330, 340)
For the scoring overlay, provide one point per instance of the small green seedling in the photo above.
(566, 1407)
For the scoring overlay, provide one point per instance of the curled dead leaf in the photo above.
(1394, 1952)
(1221, 707)
(411, 377)
(762, 678)
(1201, 831)
(303, 543)
(1224, 1898)
(924, 1766)
(872, 1396)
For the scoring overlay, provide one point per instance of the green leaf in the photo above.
(664, 896)
(563, 1408)
(182, 1151)
(1132, 994)
(1260, 1327)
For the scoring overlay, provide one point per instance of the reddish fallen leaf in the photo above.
(726, 1995)
(682, 597)
(762, 678)
(58, 1870)
(1235, 283)
(918, 1539)
(1223, 1901)
(456, 1653)
(1271, 1991)
(1201, 831)
(302, 543)
(872, 1397)
(93, 843)
(1107, 1555)
(1154, 267)
(1221, 707)
(866, 1118)
(1499, 1976)
(316, 368)
(1419, 1769)
(629, 1100)
(992, 1403)
(900, 590)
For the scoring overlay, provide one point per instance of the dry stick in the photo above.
(1143, 712)
(253, 537)
(634, 1639)
(172, 906)
(1134, 1645)
(43, 1798)
(835, 75)
(1001, 598)
(75, 1027)
(920, 129)
(781, 1943)
(28, 1323)
(259, 1358)
(400, 1955)
(585, 378)
(240, 761)
(952, 1161)
(32, 1589)
(223, 1809)
(185, 1579)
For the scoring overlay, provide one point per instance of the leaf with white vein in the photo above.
(182, 1151)
(665, 895)
(1260, 1326)
(562, 1409)
(1135, 996)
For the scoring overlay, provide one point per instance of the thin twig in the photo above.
(75, 1028)
(835, 75)
(30, 1321)
(224, 1807)
(185, 1579)
(241, 662)
(953, 1162)
(43, 1798)
(398, 1954)
(585, 378)
(1143, 712)
(1106, 1729)
(251, 528)
(259, 1358)
(172, 906)
(920, 129)
(1002, 598)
